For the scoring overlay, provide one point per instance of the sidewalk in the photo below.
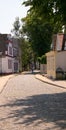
(3, 81)
(58, 83)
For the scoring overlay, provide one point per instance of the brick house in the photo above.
(56, 58)
(9, 54)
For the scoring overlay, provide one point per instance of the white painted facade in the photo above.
(9, 57)
(43, 68)
(4, 65)
(55, 60)
(61, 60)
(7, 62)
(5, 68)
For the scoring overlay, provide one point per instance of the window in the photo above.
(15, 66)
(15, 52)
(9, 64)
(10, 50)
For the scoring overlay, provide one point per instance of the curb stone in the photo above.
(4, 80)
(51, 82)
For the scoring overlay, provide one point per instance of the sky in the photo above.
(9, 10)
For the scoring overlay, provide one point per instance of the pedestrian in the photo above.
(32, 68)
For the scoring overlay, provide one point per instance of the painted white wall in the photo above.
(43, 68)
(5, 65)
(55, 60)
(61, 60)
(51, 64)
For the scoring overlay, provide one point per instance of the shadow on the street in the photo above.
(38, 109)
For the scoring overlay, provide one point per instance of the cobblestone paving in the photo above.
(29, 104)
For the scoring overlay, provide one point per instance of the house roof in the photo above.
(58, 42)
(4, 40)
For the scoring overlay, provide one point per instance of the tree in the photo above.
(26, 53)
(52, 10)
(16, 27)
(44, 18)
(25, 46)
(39, 32)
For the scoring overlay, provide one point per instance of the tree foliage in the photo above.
(52, 10)
(16, 27)
(25, 46)
(38, 31)
(44, 18)
(42, 59)
(26, 53)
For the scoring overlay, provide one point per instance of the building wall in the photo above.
(5, 68)
(3, 43)
(10, 59)
(61, 60)
(43, 68)
(55, 60)
(51, 64)
(9, 65)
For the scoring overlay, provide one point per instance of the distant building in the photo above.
(9, 54)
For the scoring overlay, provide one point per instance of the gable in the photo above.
(58, 42)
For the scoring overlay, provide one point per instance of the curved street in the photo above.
(29, 104)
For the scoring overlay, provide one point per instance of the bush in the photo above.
(42, 59)
(39, 59)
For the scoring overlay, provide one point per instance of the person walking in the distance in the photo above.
(32, 68)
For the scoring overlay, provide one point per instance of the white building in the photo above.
(56, 59)
(9, 54)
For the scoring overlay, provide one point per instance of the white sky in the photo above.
(9, 10)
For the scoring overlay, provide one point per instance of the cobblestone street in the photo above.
(29, 104)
